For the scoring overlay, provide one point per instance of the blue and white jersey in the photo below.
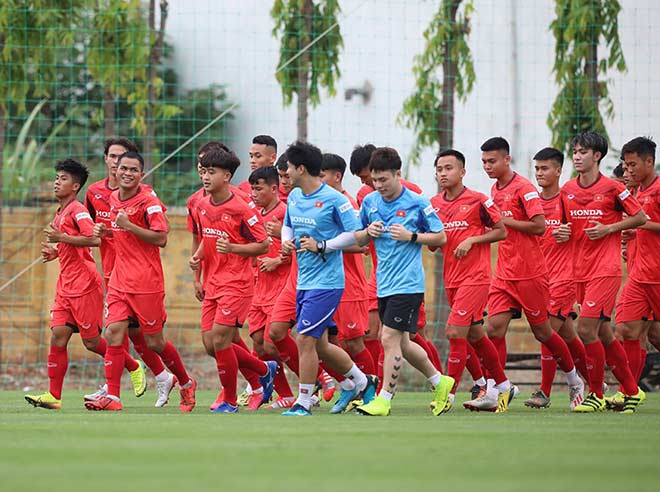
(323, 215)
(400, 269)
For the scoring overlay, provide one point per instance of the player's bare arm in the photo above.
(598, 230)
(56, 236)
(434, 239)
(252, 249)
(497, 233)
(534, 226)
(157, 238)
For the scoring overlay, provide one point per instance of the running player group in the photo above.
(285, 249)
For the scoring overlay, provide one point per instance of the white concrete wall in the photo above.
(230, 42)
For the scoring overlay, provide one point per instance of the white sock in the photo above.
(503, 387)
(305, 395)
(162, 377)
(347, 384)
(481, 381)
(490, 384)
(357, 376)
(248, 389)
(257, 391)
(451, 397)
(386, 395)
(435, 379)
(572, 378)
(187, 385)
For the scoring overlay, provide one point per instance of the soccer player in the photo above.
(78, 305)
(593, 208)
(641, 293)
(399, 222)
(272, 275)
(351, 317)
(231, 234)
(472, 222)
(263, 153)
(520, 282)
(136, 289)
(548, 167)
(319, 223)
(285, 182)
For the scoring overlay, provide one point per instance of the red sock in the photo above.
(472, 363)
(548, 370)
(487, 352)
(241, 343)
(633, 350)
(58, 363)
(289, 353)
(560, 352)
(114, 366)
(500, 347)
(456, 360)
(375, 348)
(332, 372)
(426, 345)
(151, 359)
(248, 361)
(579, 355)
(227, 364)
(619, 366)
(596, 357)
(281, 383)
(364, 362)
(380, 369)
(173, 361)
(642, 358)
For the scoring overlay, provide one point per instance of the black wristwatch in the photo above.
(320, 246)
(413, 238)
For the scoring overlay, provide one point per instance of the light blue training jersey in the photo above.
(400, 269)
(323, 215)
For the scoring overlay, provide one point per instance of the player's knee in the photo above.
(354, 346)
(654, 335)
(542, 333)
(271, 350)
(390, 339)
(91, 344)
(305, 343)
(155, 342)
(277, 332)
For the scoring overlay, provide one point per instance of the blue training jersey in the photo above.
(400, 269)
(323, 215)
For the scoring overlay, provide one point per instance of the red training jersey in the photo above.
(604, 201)
(228, 273)
(245, 187)
(283, 194)
(78, 274)
(356, 276)
(196, 197)
(558, 256)
(467, 215)
(519, 256)
(138, 268)
(646, 262)
(269, 284)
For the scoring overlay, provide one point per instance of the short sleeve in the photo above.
(89, 205)
(429, 220)
(155, 215)
(531, 201)
(83, 221)
(364, 214)
(627, 201)
(490, 213)
(345, 214)
(252, 227)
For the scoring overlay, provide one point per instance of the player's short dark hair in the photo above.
(78, 171)
(618, 170)
(268, 174)
(385, 159)
(220, 158)
(307, 155)
(550, 154)
(212, 144)
(123, 141)
(642, 146)
(333, 162)
(496, 143)
(282, 163)
(265, 140)
(452, 153)
(132, 155)
(593, 141)
(360, 158)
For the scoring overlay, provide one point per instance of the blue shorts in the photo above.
(315, 309)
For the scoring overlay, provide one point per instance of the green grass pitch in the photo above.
(157, 450)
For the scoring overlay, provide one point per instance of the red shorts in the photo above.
(352, 319)
(284, 310)
(597, 297)
(84, 314)
(562, 300)
(529, 296)
(259, 317)
(148, 310)
(468, 304)
(372, 294)
(638, 302)
(225, 310)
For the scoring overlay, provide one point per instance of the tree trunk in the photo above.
(303, 72)
(591, 72)
(156, 39)
(3, 124)
(109, 114)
